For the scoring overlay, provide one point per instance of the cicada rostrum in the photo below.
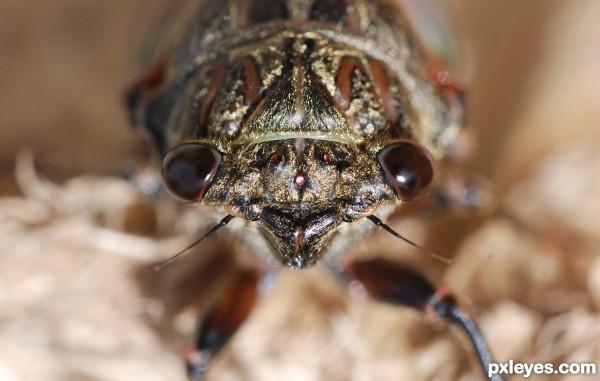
(311, 121)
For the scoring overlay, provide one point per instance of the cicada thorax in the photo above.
(309, 88)
(299, 115)
(350, 47)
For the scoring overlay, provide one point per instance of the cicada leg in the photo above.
(147, 82)
(221, 322)
(394, 283)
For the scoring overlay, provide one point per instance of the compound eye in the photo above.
(409, 167)
(188, 170)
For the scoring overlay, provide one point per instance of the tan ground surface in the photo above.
(78, 298)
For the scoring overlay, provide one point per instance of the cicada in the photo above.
(311, 121)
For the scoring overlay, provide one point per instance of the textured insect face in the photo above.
(303, 119)
(298, 190)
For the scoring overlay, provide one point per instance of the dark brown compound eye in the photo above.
(409, 167)
(188, 170)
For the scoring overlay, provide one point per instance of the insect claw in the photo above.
(196, 363)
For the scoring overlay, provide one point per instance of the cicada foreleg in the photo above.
(395, 283)
(221, 322)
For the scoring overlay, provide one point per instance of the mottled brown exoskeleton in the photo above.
(306, 119)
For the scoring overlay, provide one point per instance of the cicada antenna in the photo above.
(218, 226)
(388, 229)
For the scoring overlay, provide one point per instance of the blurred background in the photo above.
(77, 301)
